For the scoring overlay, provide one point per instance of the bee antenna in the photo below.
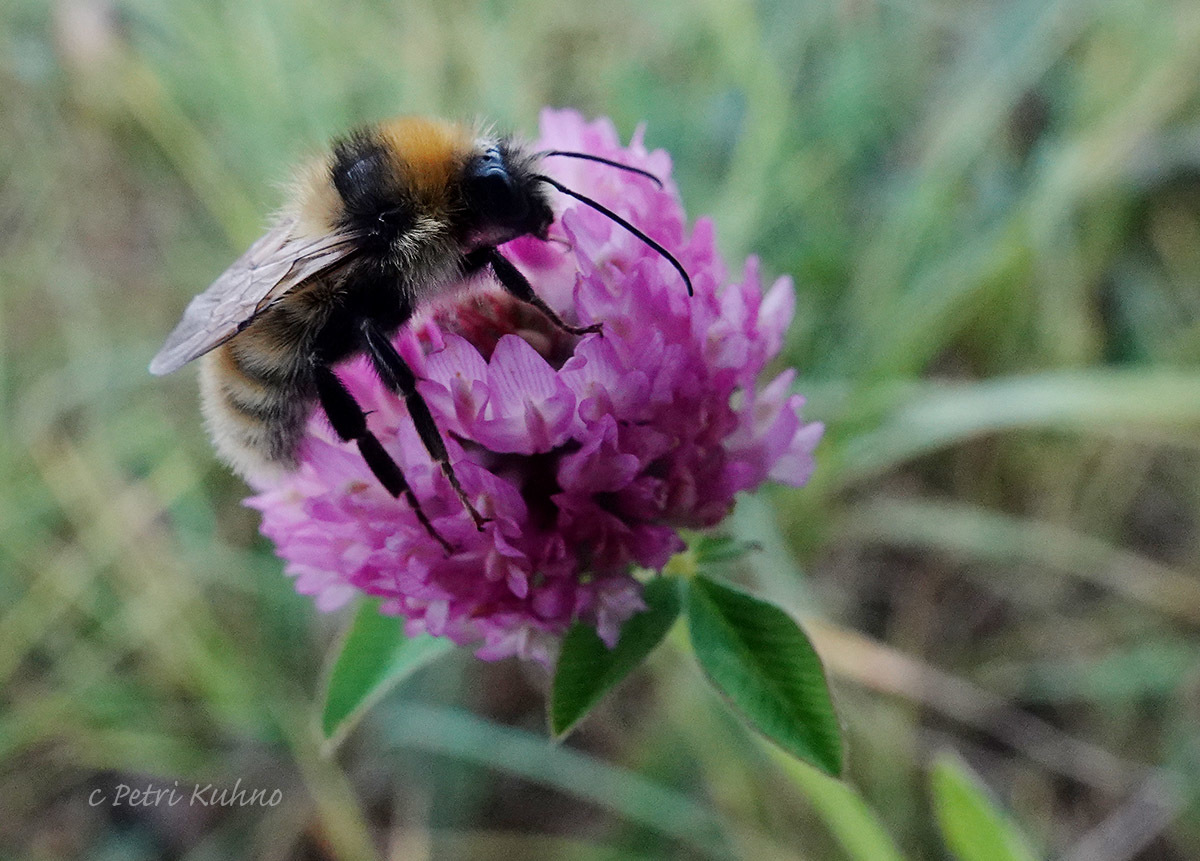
(607, 161)
(608, 213)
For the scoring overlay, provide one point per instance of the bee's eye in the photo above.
(491, 192)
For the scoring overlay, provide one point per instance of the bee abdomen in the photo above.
(255, 405)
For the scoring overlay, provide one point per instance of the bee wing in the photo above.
(274, 264)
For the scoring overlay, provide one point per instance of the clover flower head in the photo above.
(587, 454)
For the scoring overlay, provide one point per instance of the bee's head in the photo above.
(415, 181)
(503, 197)
(416, 173)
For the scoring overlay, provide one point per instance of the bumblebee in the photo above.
(394, 216)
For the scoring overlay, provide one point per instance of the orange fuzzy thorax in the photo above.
(429, 153)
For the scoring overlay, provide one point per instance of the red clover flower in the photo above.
(589, 455)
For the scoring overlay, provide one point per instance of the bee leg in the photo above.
(518, 285)
(398, 376)
(350, 423)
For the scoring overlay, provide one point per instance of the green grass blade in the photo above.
(463, 736)
(982, 535)
(843, 810)
(974, 828)
(1092, 402)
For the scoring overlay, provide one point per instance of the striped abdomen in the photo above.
(257, 391)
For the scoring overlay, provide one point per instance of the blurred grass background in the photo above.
(992, 212)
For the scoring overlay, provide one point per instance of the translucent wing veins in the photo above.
(274, 264)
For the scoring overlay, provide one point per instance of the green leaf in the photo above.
(974, 828)
(587, 669)
(757, 656)
(375, 657)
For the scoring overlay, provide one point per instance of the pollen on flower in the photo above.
(588, 455)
